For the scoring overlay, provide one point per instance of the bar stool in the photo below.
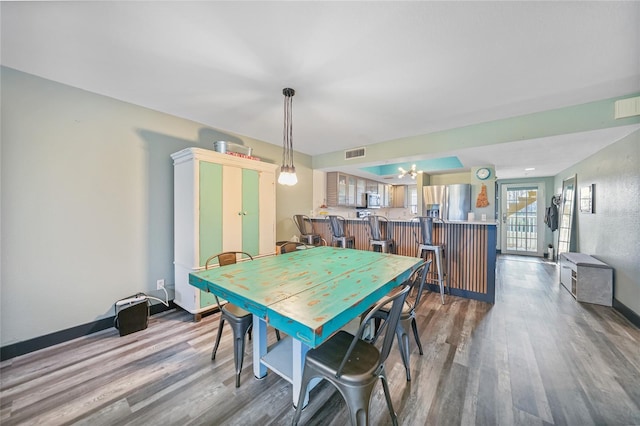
(305, 226)
(425, 243)
(379, 235)
(337, 226)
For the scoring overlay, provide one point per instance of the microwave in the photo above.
(373, 200)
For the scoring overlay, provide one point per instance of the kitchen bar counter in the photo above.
(470, 250)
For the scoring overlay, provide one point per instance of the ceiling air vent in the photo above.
(354, 153)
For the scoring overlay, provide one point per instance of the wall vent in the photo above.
(627, 107)
(354, 153)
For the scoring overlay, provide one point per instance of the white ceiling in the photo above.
(364, 72)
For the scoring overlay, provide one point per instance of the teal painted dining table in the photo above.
(306, 294)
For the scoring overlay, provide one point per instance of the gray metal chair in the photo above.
(338, 235)
(379, 234)
(425, 243)
(408, 315)
(352, 365)
(305, 226)
(240, 320)
(290, 246)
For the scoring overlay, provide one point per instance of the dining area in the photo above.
(311, 295)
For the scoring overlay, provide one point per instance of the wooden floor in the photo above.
(536, 357)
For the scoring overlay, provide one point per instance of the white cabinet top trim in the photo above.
(200, 154)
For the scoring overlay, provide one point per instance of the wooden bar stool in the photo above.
(425, 243)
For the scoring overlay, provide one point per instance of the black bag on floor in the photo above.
(132, 314)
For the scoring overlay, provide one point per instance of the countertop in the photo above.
(452, 222)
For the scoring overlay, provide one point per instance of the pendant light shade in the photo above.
(287, 170)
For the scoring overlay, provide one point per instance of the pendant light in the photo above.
(287, 170)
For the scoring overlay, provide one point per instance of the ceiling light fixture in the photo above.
(411, 172)
(287, 170)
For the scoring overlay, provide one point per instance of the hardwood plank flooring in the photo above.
(536, 357)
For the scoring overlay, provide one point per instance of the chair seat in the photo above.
(363, 362)
(235, 311)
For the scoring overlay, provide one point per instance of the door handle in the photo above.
(504, 218)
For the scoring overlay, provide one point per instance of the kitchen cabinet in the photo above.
(221, 203)
(337, 189)
(385, 194)
(344, 190)
(371, 186)
(587, 279)
(399, 196)
(361, 189)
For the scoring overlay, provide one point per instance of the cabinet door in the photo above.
(232, 211)
(361, 188)
(351, 190)
(250, 212)
(210, 207)
(342, 190)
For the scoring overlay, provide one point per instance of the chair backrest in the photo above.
(418, 280)
(426, 230)
(304, 224)
(336, 223)
(226, 258)
(376, 224)
(289, 246)
(397, 299)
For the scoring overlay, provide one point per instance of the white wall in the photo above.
(87, 201)
(612, 233)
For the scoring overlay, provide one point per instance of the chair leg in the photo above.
(403, 345)
(387, 396)
(440, 274)
(306, 378)
(238, 355)
(358, 399)
(278, 335)
(414, 326)
(215, 347)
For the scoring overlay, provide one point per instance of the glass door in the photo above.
(522, 219)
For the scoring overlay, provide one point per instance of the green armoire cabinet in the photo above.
(221, 203)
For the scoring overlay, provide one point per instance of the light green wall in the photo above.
(612, 233)
(87, 201)
(577, 118)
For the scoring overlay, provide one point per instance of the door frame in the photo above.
(540, 199)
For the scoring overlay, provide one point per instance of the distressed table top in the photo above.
(309, 294)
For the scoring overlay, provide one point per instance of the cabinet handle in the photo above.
(244, 213)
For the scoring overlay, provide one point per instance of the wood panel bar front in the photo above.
(470, 251)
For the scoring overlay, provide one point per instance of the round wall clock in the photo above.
(483, 173)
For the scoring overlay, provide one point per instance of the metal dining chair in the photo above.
(305, 226)
(379, 235)
(290, 246)
(425, 243)
(352, 365)
(338, 233)
(239, 319)
(408, 315)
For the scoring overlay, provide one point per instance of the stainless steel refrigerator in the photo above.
(449, 202)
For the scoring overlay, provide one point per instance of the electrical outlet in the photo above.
(159, 284)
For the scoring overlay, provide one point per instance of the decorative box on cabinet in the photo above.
(221, 203)
(587, 279)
